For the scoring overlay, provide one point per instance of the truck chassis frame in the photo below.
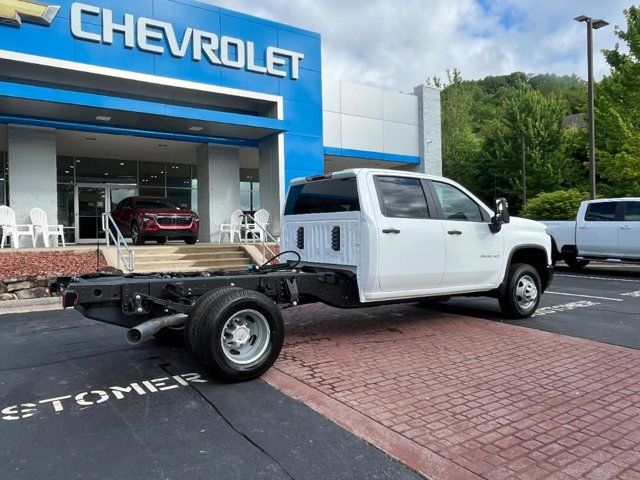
(129, 300)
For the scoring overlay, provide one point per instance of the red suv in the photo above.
(146, 218)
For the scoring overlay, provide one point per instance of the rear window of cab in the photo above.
(323, 196)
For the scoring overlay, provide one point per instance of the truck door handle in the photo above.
(394, 231)
(584, 227)
(454, 232)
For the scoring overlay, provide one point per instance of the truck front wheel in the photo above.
(235, 334)
(521, 297)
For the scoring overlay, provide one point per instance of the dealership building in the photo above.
(215, 109)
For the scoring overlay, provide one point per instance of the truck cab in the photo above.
(605, 229)
(407, 235)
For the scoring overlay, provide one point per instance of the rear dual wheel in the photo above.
(235, 334)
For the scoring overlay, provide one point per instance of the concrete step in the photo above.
(213, 248)
(144, 257)
(182, 268)
(205, 264)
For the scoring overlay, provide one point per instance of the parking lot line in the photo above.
(632, 294)
(598, 278)
(585, 296)
(565, 307)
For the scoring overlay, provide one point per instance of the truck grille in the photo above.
(174, 220)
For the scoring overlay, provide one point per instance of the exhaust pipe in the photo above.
(146, 330)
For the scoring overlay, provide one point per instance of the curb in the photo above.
(30, 305)
(415, 456)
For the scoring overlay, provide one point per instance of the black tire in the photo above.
(136, 237)
(512, 303)
(191, 240)
(170, 336)
(206, 325)
(161, 240)
(574, 263)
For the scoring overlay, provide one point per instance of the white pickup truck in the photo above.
(406, 235)
(605, 229)
(352, 239)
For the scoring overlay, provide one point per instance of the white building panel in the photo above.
(360, 133)
(361, 100)
(400, 107)
(332, 129)
(331, 95)
(401, 139)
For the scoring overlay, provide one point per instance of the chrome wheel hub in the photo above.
(526, 292)
(245, 337)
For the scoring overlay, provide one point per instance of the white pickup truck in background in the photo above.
(605, 229)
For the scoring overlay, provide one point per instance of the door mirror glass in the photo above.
(502, 215)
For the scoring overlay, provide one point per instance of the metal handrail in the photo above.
(124, 252)
(265, 247)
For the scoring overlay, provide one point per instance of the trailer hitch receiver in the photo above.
(69, 298)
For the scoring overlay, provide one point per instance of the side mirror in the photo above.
(502, 215)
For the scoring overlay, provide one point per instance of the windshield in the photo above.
(156, 203)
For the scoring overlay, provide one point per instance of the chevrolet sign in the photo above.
(158, 37)
(14, 12)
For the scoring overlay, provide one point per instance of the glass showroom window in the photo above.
(178, 182)
(249, 190)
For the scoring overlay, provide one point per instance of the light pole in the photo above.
(591, 25)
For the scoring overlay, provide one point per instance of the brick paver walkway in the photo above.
(456, 397)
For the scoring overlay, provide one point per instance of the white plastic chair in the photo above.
(41, 227)
(10, 230)
(234, 228)
(254, 230)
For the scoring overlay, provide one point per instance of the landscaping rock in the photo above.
(7, 296)
(20, 278)
(15, 287)
(3, 287)
(37, 292)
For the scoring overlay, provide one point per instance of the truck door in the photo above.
(411, 247)
(629, 231)
(597, 232)
(474, 254)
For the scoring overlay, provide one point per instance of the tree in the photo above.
(461, 146)
(558, 205)
(618, 115)
(528, 115)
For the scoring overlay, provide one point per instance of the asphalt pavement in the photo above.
(78, 402)
(600, 302)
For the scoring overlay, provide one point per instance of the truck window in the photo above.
(456, 205)
(632, 211)
(601, 212)
(325, 196)
(402, 197)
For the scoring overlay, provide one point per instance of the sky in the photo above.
(397, 44)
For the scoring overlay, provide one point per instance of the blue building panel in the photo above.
(302, 96)
(303, 153)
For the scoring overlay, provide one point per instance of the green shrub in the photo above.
(558, 205)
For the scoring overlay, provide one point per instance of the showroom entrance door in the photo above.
(92, 200)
